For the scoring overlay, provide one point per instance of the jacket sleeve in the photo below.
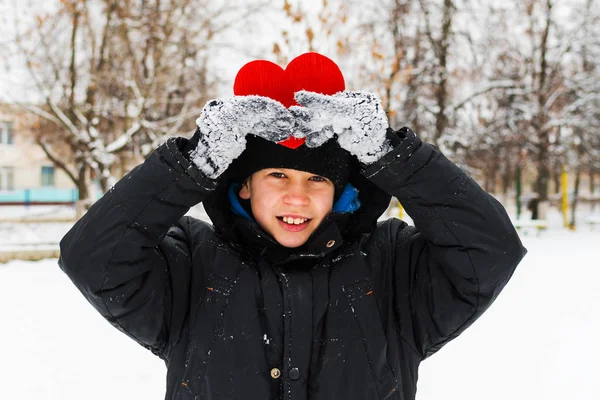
(128, 256)
(464, 249)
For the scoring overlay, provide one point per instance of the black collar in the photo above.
(323, 241)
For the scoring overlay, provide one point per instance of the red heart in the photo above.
(310, 71)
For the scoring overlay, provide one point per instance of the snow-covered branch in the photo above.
(494, 85)
(124, 139)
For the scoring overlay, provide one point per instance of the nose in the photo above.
(296, 195)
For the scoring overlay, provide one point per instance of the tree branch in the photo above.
(47, 149)
(493, 86)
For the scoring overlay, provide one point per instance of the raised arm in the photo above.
(448, 270)
(126, 254)
(129, 255)
(463, 251)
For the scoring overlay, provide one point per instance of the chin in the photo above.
(291, 242)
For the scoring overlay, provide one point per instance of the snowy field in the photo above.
(42, 227)
(538, 341)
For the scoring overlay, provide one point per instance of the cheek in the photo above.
(324, 203)
(262, 204)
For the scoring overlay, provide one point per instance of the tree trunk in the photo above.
(490, 180)
(506, 178)
(85, 201)
(575, 195)
(580, 155)
(556, 176)
(518, 190)
(104, 179)
(592, 187)
(542, 180)
(441, 119)
(83, 189)
(543, 134)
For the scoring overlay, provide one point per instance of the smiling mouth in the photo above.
(294, 221)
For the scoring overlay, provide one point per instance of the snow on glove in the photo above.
(356, 118)
(224, 124)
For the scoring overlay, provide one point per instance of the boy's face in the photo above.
(287, 203)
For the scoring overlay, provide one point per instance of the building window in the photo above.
(6, 133)
(6, 178)
(47, 176)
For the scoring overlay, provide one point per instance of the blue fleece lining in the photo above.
(236, 207)
(347, 203)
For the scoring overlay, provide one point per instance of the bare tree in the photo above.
(581, 115)
(115, 77)
(395, 42)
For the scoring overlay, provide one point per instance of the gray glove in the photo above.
(357, 119)
(224, 124)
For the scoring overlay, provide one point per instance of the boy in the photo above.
(296, 292)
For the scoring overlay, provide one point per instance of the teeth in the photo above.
(294, 221)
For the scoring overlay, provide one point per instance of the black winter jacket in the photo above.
(349, 316)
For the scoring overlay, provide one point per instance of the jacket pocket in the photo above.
(204, 332)
(364, 307)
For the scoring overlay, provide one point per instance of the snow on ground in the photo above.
(27, 234)
(55, 346)
(8, 213)
(37, 234)
(538, 341)
(43, 228)
(42, 212)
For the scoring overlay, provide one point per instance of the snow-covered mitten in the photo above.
(356, 118)
(224, 124)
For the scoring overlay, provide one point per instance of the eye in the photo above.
(318, 178)
(277, 174)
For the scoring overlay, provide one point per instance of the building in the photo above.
(26, 175)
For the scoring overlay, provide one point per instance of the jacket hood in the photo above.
(240, 231)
